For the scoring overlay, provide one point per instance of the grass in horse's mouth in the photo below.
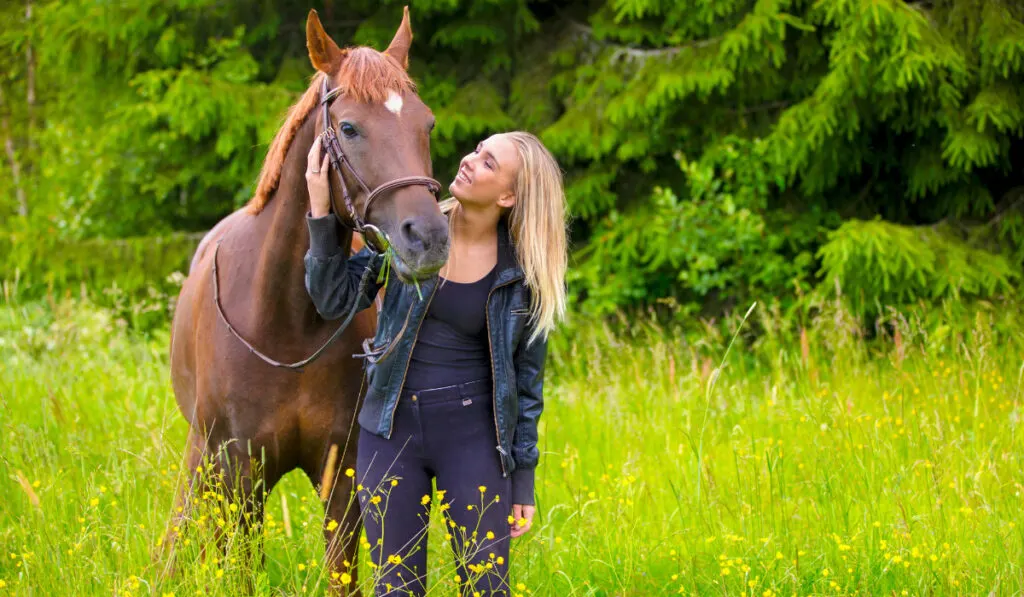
(385, 271)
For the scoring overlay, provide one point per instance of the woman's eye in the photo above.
(348, 130)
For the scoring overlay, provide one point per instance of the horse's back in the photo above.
(214, 235)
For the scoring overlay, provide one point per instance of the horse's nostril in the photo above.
(413, 235)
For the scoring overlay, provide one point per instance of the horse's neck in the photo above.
(279, 278)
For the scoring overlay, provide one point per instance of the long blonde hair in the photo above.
(537, 225)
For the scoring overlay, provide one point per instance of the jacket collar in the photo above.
(508, 264)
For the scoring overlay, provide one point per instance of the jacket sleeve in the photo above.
(529, 366)
(332, 279)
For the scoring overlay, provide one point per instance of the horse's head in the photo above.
(383, 132)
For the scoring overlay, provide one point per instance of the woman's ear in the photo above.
(507, 200)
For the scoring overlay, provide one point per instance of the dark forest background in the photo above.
(716, 152)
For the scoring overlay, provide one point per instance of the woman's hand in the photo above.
(317, 181)
(522, 519)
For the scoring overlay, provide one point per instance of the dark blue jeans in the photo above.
(447, 434)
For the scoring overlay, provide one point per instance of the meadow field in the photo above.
(814, 463)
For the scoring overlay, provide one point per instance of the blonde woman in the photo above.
(455, 378)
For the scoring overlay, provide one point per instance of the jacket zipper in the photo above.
(494, 383)
(391, 423)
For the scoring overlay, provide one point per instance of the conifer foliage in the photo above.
(715, 151)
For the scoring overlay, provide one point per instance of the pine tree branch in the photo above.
(642, 54)
(765, 107)
(1013, 204)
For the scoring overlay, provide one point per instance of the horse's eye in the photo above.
(348, 130)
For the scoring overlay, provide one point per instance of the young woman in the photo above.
(455, 374)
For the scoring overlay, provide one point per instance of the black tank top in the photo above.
(452, 345)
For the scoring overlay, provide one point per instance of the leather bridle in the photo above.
(375, 238)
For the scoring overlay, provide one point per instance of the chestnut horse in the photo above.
(255, 422)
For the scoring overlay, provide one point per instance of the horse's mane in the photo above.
(365, 75)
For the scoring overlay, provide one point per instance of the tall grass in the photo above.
(828, 464)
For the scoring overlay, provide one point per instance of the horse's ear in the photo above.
(323, 52)
(399, 48)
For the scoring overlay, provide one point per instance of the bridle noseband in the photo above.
(375, 238)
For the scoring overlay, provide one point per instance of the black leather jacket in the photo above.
(332, 281)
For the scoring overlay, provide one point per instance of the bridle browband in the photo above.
(375, 238)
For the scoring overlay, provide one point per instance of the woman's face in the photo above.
(486, 175)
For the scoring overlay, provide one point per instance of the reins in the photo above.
(297, 365)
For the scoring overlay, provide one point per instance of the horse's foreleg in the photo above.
(244, 482)
(342, 525)
(188, 485)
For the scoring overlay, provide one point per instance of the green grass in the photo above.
(828, 467)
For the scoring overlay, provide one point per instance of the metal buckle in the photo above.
(375, 238)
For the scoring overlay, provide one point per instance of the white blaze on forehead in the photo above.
(394, 103)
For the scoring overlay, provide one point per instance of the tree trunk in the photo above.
(5, 128)
(30, 95)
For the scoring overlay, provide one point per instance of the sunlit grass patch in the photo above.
(831, 465)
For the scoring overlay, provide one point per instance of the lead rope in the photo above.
(297, 365)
